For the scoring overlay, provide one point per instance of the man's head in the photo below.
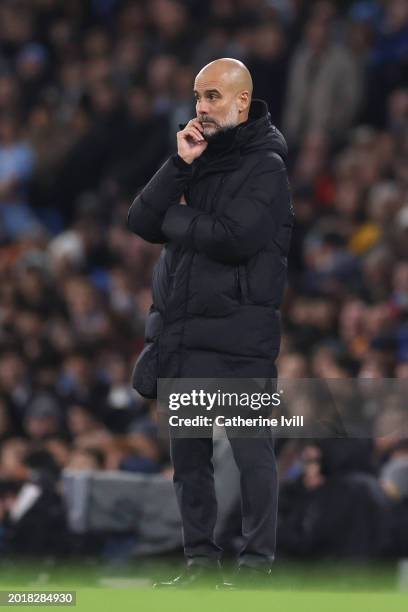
(223, 90)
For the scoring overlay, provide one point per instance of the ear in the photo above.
(243, 101)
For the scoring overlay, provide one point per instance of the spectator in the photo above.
(42, 417)
(16, 167)
(324, 86)
(334, 488)
(86, 459)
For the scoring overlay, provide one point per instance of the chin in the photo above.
(210, 133)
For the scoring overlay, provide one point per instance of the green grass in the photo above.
(300, 587)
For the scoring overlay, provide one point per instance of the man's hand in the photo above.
(190, 141)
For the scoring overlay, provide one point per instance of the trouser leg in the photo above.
(194, 486)
(256, 462)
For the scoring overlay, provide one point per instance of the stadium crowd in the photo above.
(91, 95)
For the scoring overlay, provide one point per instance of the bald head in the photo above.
(223, 91)
(230, 73)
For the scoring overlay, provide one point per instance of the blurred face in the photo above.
(169, 17)
(317, 34)
(8, 130)
(12, 455)
(29, 324)
(119, 371)
(268, 42)
(292, 366)
(160, 72)
(400, 278)
(31, 284)
(398, 14)
(81, 297)
(103, 98)
(79, 420)
(218, 103)
(347, 198)
(79, 368)
(8, 90)
(351, 320)
(11, 370)
(81, 460)
(139, 104)
(41, 427)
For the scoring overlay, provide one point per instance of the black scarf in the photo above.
(222, 142)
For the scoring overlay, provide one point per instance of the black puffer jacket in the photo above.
(219, 281)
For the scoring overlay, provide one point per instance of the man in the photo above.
(222, 207)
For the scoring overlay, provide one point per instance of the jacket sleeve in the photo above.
(247, 223)
(145, 216)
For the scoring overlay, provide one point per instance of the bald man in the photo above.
(221, 207)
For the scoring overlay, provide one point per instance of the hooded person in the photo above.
(221, 206)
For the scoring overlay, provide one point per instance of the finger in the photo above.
(195, 123)
(191, 134)
(194, 134)
(198, 134)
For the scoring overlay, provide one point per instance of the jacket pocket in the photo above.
(163, 275)
(145, 371)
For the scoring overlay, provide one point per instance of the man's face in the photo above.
(216, 105)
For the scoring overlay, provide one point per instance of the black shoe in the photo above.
(248, 578)
(193, 577)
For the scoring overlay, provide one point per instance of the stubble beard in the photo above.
(231, 121)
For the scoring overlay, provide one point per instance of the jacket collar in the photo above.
(224, 153)
(258, 118)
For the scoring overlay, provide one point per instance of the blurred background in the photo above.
(91, 95)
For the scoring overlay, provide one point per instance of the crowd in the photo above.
(91, 95)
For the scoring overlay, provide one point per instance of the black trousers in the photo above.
(194, 486)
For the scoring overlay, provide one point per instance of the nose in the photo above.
(201, 107)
